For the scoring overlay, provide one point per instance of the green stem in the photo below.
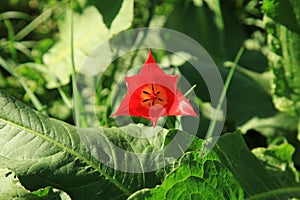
(32, 25)
(190, 90)
(35, 101)
(64, 97)
(14, 15)
(11, 39)
(273, 193)
(223, 93)
(37, 104)
(215, 7)
(80, 119)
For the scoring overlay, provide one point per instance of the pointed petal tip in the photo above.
(150, 67)
(150, 58)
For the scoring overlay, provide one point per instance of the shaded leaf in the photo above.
(208, 31)
(252, 175)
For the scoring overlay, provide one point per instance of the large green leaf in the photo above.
(89, 32)
(196, 178)
(47, 152)
(229, 171)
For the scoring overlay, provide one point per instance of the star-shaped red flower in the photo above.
(153, 94)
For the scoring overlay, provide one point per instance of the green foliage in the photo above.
(44, 152)
(196, 178)
(276, 9)
(272, 127)
(47, 147)
(215, 27)
(278, 160)
(253, 175)
(284, 40)
(45, 158)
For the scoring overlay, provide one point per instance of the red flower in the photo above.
(153, 94)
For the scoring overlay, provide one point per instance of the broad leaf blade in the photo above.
(47, 152)
(196, 178)
(44, 151)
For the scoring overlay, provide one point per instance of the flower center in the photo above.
(152, 94)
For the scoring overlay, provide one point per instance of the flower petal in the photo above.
(168, 81)
(153, 94)
(185, 106)
(150, 66)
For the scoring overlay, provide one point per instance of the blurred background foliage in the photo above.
(263, 100)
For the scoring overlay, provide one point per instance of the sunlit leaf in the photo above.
(196, 178)
(11, 188)
(47, 152)
(89, 32)
(272, 126)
